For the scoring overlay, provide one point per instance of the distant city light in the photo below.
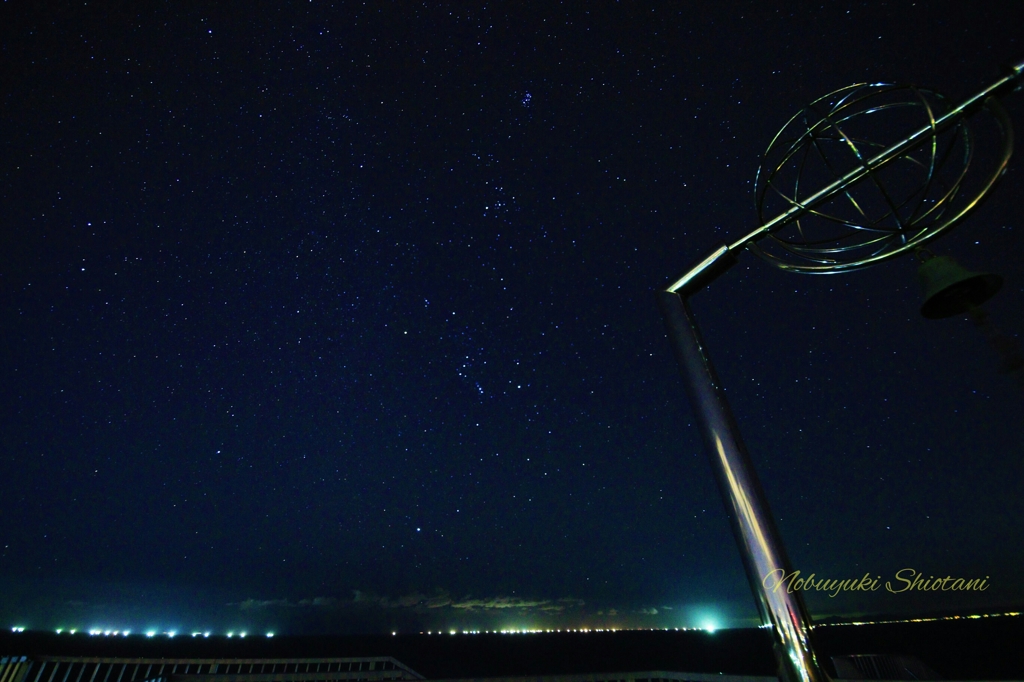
(707, 625)
(922, 620)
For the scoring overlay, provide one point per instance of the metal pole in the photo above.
(752, 521)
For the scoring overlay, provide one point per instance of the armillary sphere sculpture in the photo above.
(864, 174)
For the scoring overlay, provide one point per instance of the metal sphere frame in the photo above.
(908, 222)
(753, 524)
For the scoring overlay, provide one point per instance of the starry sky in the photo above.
(340, 318)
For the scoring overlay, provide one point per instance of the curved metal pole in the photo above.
(751, 519)
(752, 522)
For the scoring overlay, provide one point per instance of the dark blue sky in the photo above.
(341, 317)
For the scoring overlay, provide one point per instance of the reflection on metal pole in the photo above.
(752, 521)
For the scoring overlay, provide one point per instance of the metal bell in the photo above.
(951, 289)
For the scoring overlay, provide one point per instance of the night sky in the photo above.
(341, 318)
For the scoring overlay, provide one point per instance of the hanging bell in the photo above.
(951, 289)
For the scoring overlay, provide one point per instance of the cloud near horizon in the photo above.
(416, 601)
(315, 602)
